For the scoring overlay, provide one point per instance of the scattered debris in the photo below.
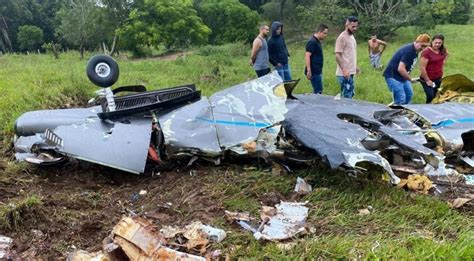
(138, 239)
(459, 202)
(469, 179)
(81, 255)
(417, 182)
(237, 216)
(289, 220)
(302, 187)
(5, 244)
(365, 211)
(142, 192)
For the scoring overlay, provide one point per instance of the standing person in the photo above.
(259, 56)
(376, 48)
(314, 58)
(431, 66)
(397, 73)
(346, 57)
(278, 52)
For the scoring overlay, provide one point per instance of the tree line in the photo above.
(141, 25)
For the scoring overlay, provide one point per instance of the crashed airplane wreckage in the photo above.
(259, 118)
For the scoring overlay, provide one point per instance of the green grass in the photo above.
(402, 225)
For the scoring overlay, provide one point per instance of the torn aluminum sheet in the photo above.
(230, 119)
(450, 120)
(345, 132)
(122, 144)
(289, 220)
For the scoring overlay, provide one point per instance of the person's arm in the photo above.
(423, 73)
(368, 45)
(257, 43)
(307, 59)
(383, 44)
(345, 72)
(402, 69)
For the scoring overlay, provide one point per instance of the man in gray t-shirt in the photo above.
(259, 57)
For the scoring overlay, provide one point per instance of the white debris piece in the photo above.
(5, 244)
(302, 187)
(289, 220)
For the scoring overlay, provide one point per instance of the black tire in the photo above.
(102, 70)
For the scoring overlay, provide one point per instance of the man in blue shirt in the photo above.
(314, 59)
(397, 73)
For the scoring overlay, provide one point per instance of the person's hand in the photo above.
(429, 83)
(278, 65)
(250, 62)
(414, 80)
(309, 75)
(345, 73)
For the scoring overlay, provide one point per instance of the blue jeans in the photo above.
(317, 83)
(402, 91)
(347, 86)
(284, 72)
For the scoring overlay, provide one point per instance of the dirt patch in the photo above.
(81, 206)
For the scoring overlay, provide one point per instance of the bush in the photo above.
(173, 24)
(30, 37)
(229, 20)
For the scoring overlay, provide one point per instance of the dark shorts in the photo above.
(262, 72)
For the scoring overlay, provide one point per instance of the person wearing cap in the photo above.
(346, 57)
(397, 73)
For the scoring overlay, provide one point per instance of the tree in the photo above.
(113, 16)
(15, 13)
(229, 20)
(30, 37)
(383, 17)
(254, 4)
(461, 12)
(78, 24)
(171, 23)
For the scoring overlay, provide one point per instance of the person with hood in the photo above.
(397, 73)
(278, 53)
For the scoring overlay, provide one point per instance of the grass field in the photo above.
(403, 225)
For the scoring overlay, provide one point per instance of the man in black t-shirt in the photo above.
(314, 59)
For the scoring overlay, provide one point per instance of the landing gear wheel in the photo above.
(102, 70)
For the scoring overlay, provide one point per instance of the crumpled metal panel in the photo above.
(317, 122)
(313, 120)
(450, 120)
(240, 112)
(34, 122)
(183, 129)
(122, 145)
(229, 118)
